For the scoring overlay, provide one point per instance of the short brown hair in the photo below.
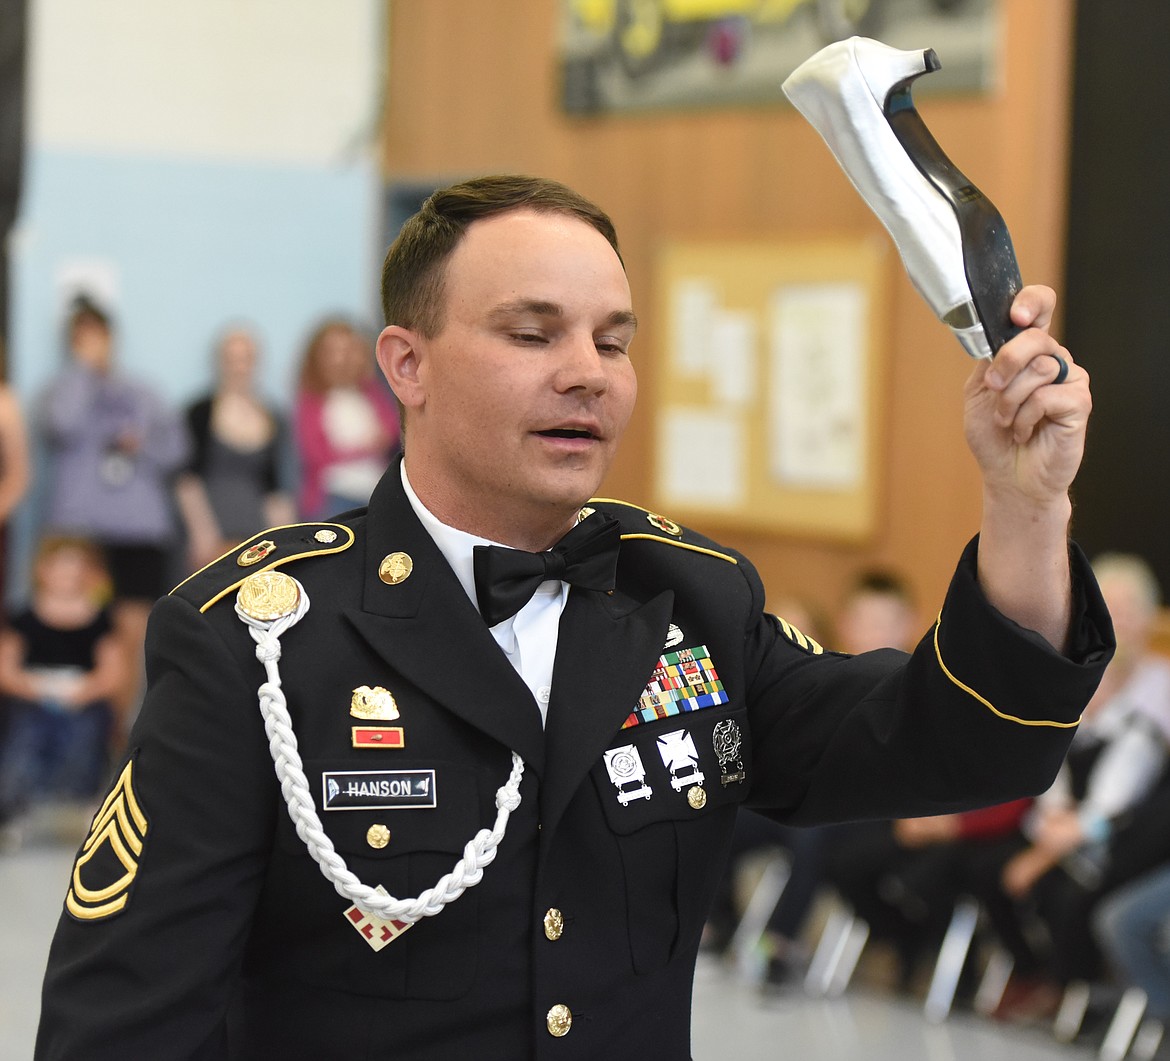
(413, 272)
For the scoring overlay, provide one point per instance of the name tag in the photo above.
(378, 789)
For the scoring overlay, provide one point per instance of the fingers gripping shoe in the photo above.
(953, 242)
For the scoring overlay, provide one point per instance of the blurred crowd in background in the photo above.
(1073, 886)
(137, 495)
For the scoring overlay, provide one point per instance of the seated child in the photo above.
(59, 664)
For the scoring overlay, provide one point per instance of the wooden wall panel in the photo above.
(472, 88)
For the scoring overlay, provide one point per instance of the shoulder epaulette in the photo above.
(635, 520)
(265, 551)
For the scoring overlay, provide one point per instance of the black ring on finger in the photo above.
(1062, 371)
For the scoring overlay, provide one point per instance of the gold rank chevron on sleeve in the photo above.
(107, 863)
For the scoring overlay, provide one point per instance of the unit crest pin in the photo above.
(667, 526)
(255, 553)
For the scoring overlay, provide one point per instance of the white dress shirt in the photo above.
(528, 638)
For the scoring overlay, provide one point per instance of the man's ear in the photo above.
(399, 355)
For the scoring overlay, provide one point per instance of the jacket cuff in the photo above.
(1014, 671)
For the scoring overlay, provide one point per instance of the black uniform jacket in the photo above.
(197, 926)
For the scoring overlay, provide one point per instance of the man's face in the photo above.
(524, 394)
(876, 620)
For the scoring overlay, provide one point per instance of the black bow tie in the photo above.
(505, 579)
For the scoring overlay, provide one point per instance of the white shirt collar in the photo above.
(528, 638)
(456, 546)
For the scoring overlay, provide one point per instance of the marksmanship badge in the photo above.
(627, 773)
(728, 742)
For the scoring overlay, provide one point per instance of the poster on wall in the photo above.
(631, 55)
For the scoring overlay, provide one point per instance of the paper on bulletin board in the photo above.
(816, 421)
(766, 385)
(733, 357)
(693, 303)
(707, 453)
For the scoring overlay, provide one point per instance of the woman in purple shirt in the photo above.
(113, 444)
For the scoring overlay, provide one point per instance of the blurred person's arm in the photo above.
(165, 442)
(922, 832)
(15, 680)
(312, 448)
(107, 676)
(1123, 775)
(14, 463)
(279, 507)
(985, 823)
(1025, 868)
(204, 536)
(66, 404)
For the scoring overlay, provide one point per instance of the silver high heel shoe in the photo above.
(953, 242)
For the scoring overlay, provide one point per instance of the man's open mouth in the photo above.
(567, 432)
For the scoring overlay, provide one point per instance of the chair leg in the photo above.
(994, 981)
(828, 953)
(754, 920)
(1148, 1040)
(1127, 1018)
(848, 957)
(1071, 1015)
(952, 956)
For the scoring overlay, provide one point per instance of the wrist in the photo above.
(1052, 512)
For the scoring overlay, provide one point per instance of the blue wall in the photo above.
(195, 244)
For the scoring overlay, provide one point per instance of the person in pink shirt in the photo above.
(346, 421)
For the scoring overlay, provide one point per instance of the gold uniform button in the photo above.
(554, 923)
(559, 1020)
(697, 797)
(268, 595)
(377, 836)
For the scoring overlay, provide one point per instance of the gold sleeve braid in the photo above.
(983, 700)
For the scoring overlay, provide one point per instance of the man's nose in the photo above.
(583, 366)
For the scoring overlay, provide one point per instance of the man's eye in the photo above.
(528, 337)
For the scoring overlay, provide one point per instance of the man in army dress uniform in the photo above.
(418, 797)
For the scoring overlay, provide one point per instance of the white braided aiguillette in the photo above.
(479, 852)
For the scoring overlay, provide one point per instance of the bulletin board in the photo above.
(768, 385)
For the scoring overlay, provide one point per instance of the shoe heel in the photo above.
(989, 258)
(954, 243)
